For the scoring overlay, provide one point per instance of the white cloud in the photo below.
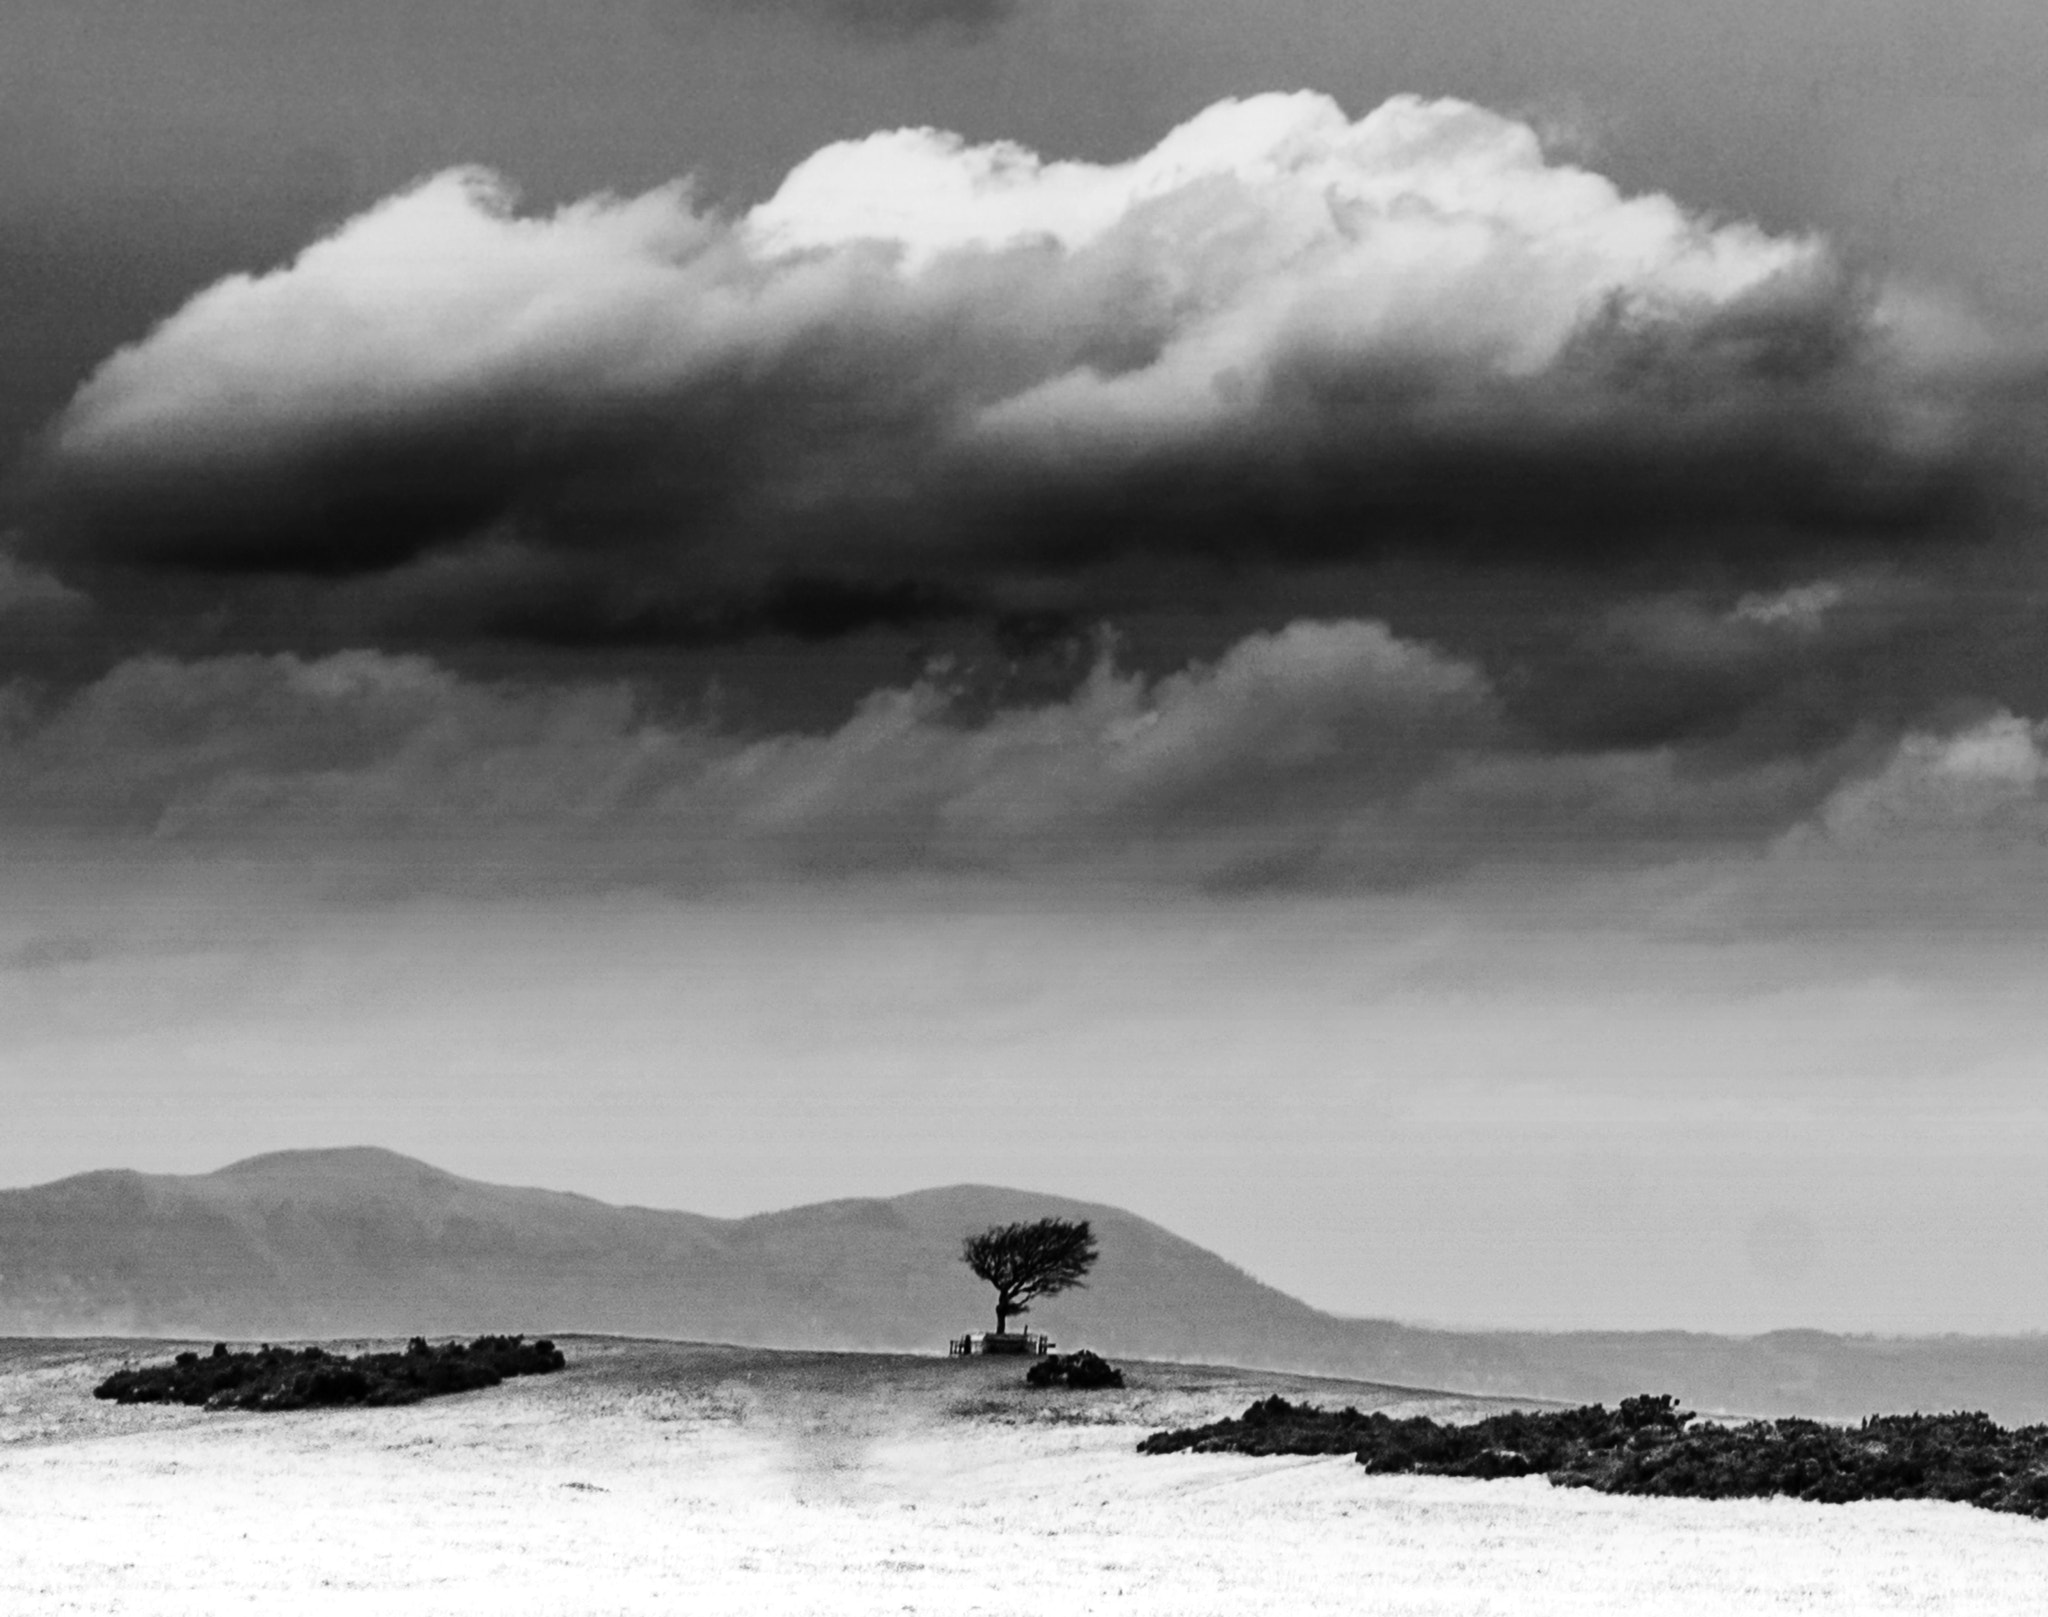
(441, 295)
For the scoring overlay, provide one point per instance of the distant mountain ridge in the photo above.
(366, 1242)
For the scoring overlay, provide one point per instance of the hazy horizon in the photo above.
(1407, 642)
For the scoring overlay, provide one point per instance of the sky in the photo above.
(1406, 639)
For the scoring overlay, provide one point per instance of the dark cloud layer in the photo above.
(1450, 503)
(1324, 754)
(1333, 750)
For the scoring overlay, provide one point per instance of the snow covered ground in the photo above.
(656, 1478)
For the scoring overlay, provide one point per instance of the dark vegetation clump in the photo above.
(312, 1378)
(1084, 1370)
(1651, 1446)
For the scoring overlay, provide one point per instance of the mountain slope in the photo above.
(367, 1242)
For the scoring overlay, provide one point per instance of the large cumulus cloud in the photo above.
(926, 378)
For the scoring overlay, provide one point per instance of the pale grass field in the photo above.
(656, 1478)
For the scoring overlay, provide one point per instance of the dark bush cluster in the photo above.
(311, 1377)
(1271, 1426)
(1651, 1446)
(1084, 1370)
(1963, 1457)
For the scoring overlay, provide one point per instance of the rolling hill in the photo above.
(365, 1242)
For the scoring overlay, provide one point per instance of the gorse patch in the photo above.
(273, 1378)
(1651, 1446)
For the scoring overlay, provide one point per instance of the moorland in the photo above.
(655, 1476)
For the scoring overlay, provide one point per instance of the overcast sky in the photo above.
(1405, 638)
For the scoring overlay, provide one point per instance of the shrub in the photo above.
(1271, 1426)
(1651, 1446)
(1083, 1370)
(280, 1378)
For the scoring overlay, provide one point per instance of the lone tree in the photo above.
(1023, 1261)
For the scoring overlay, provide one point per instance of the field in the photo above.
(663, 1477)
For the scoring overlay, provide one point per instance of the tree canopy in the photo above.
(1024, 1261)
